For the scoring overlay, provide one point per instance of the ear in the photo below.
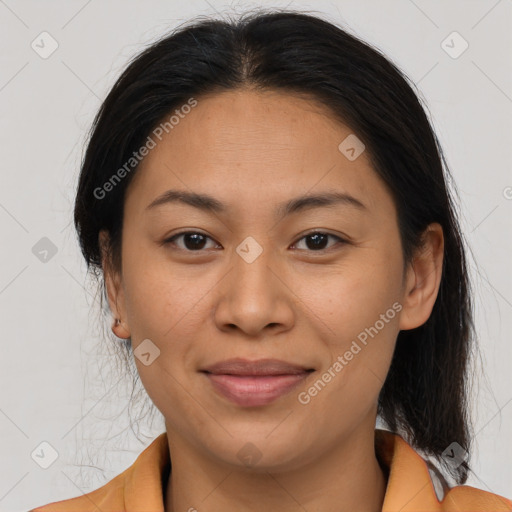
(423, 279)
(114, 288)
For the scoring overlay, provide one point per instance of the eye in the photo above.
(317, 240)
(192, 240)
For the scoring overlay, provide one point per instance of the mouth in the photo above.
(255, 383)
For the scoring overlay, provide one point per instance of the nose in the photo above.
(254, 297)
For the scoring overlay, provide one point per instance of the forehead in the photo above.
(272, 143)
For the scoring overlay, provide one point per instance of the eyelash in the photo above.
(170, 241)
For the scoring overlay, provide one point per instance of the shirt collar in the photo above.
(410, 487)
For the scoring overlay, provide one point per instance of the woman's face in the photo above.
(254, 283)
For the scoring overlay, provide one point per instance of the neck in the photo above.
(345, 478)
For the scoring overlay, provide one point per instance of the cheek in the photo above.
(361, 312)
(353, 295)
(358, 307)
(161, 298)
(164, 306)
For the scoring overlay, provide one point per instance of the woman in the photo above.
(266, 202)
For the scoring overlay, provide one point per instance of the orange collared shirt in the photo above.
(410, 486)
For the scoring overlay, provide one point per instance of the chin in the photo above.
(260, 449)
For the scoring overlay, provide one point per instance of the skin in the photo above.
(253, 150)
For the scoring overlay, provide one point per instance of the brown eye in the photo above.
(318, 241)
(191, 241)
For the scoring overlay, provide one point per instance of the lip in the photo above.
(260, 367)
(255, 383)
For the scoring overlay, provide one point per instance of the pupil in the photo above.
(318, 243)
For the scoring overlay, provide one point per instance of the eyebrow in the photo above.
(210, 204)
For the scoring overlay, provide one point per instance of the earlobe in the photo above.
(113, 287)
(423, 279)
(120, 330)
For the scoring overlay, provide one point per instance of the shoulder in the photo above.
(139, 487)
(467, 498)
(108, 497)
(415, 484)
(464, 497)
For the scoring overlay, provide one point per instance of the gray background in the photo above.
(57, 381)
